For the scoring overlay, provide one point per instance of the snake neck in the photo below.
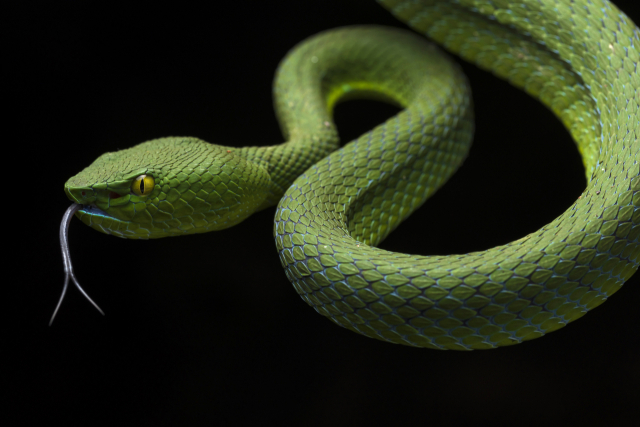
(285, 162)
(304, 112)
(349, 63)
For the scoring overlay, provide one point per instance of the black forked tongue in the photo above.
(66, 259)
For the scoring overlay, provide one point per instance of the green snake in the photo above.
(578, 57)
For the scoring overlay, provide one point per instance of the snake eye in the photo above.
(142, 185)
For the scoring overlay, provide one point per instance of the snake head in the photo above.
(166, 187)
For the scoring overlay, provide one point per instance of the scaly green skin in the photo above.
(578, 57)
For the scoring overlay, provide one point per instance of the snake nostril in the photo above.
(83, 193)
(114, 195)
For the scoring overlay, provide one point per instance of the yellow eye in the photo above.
(142, 185)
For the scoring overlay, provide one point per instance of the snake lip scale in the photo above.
(335, 205)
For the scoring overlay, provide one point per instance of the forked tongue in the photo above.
(66, 259)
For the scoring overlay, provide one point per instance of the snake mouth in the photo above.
(93, 210)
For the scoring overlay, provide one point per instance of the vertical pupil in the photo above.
(142, 186)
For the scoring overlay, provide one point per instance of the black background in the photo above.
(206, 329)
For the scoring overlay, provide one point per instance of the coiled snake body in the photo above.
(578, 57)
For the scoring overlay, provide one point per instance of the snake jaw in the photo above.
(86, 198)
(92, 209)
(101, 201)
